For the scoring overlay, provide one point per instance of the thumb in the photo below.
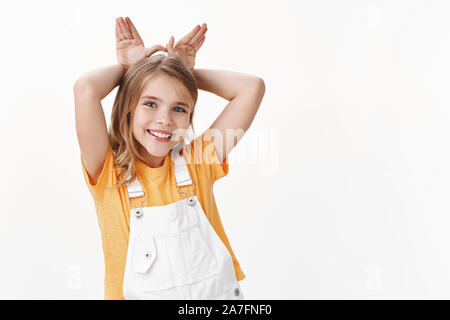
(170, 44)
(151, 50)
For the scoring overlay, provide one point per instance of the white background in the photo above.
(340, 188)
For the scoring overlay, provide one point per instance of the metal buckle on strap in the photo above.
(184, 193)
(139, 211)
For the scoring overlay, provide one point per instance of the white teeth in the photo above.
(161, 135)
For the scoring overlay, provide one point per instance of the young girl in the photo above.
(161, 232)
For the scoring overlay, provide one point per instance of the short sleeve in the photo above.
(205, 156)
(106, 178)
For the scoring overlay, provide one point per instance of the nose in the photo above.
(164, 117)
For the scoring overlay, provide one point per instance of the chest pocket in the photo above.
(168, 260)
(144, 255)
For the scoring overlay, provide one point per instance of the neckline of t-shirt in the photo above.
(155, 171)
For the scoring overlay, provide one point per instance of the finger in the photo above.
(119, 34)
(199, 44)
(170, 45)
(125, 32)
(119, 29)
(151, 50)
(190, 35)
(133, 29)
(198, 35)
(171, 41)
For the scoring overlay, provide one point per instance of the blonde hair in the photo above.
(122, 141)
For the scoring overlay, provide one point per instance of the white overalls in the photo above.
(173, 251)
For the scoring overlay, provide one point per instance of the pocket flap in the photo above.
(144, 255)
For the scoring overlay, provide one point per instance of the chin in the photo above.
(158, 151)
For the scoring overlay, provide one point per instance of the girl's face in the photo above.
(163, 105)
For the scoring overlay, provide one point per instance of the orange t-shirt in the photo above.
(159, 184)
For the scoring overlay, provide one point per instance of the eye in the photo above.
(176, 108)
(182, 109)
(148, 103)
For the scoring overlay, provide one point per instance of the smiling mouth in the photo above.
(161, 139)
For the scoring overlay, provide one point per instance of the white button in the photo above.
(191, 201)
(148, 255)
(236, 291)
(138, 213)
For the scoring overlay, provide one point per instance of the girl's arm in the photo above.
(101, 81)
(245, 93)
(92, 87)
(90, 121)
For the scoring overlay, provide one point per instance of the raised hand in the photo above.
(187, 47)
(129, 45)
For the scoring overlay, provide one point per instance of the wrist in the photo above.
(124, 67)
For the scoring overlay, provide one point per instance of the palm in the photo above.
(187, 47)
(129, 51)
(186, 53)
(129, 45)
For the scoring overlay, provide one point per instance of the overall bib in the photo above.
(174, 252)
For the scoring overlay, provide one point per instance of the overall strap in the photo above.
(135, 189)
(181, 171)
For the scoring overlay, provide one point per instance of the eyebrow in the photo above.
(158, 99)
